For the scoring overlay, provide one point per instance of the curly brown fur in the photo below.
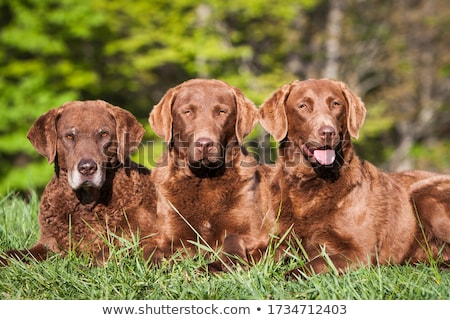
(96, 192)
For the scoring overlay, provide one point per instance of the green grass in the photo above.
(127, 277)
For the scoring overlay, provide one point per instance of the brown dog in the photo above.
(209, 189)
(96, 190)
(431, 201)
(329, 199)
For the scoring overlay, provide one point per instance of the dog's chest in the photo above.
(304, 204)
(317, 207)
(210, 207)
(203, 197)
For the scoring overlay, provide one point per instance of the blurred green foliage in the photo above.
(130, 54)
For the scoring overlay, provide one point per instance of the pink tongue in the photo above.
(325, 157)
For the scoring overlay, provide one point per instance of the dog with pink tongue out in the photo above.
(314, 137)
(337, 210)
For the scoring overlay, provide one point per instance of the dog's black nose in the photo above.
(87, 167)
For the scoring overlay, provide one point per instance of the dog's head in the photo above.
(200, 119)
(317, 116)
(85, 138)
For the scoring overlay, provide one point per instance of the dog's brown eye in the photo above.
(302, 105)
(70, 136)
(186, 112)
(336, 104)
(222, 112)
(104, 134)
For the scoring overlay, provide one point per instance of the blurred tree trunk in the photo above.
(333, 41)
(420, 39)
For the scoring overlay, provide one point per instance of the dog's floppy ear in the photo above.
(160, 118)
(356, 111)
(247, 115)
(129, 131)
(42, 134)
(272, 113)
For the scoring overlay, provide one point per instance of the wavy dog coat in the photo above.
(209, 189)
(331, 200)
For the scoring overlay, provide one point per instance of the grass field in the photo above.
(127, 277)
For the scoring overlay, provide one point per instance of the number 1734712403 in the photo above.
(326, 309)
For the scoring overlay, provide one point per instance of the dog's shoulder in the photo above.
(57, 197)
(131, 185)
(133, 174)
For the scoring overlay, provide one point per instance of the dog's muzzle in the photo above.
(86, 174)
